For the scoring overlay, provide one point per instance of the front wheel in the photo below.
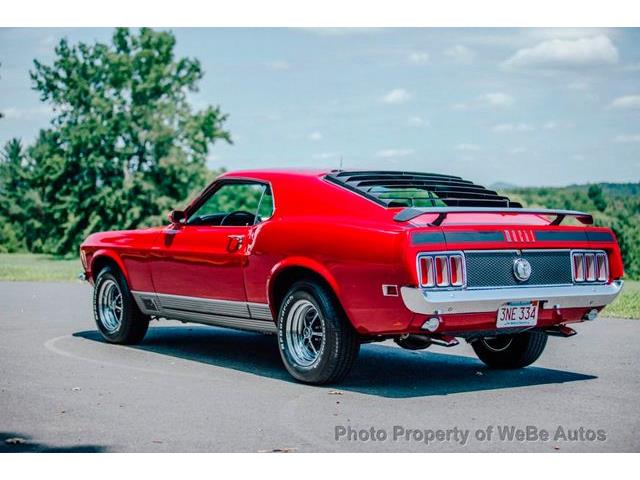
(511, 351)
(317, 343)
(117, 316)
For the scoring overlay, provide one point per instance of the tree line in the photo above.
(614, 205)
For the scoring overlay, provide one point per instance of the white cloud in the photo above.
(550, 125)
(567, 32)
(512, 127)
(628, 102)
(280, 65)
(418, 58)
(417, 122)
(497, 99)
(563, 53)
(633, 138)
(467, 147)
(517, 151)
(524, 37)
(395, 96)
(315, 136)
(338, 31)
(394, 153)
(460, 54)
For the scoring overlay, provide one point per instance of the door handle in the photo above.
(235, 242)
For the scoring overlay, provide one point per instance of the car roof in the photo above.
(390, 188)
(271, 173)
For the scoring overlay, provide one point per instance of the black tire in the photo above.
(133, 324)
(511, 351)
(340, 343)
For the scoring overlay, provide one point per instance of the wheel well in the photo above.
(286, 278)
(101, 262)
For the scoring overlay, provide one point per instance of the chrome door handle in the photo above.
(235, 242)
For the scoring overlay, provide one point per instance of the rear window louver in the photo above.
(413, 189)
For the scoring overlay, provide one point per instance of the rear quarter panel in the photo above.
(355, 258)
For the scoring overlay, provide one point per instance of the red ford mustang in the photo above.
(331, 259)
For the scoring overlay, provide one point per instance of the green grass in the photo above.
(44, 268)
(26, 266)
(627, 305)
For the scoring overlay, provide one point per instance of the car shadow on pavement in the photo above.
(12, 442)
(380, 370)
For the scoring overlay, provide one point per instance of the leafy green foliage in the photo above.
(124, 147)
(14, 187)
(233, 197)
(612, 205)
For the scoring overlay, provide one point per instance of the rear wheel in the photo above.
(317, 343)
(117, 316)
(511, 351)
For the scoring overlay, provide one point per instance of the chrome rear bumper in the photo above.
(430, 302)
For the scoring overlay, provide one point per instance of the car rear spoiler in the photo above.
(410, 213)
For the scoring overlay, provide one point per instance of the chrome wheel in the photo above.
(497, 344)
(110, 305)
(304, 333)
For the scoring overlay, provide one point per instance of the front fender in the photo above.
(103, 253)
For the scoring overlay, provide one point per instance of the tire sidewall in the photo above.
(119, 335)
(524, 349)
(315, 372)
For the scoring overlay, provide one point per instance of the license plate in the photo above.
(517, 314)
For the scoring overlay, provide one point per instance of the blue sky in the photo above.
(524, 106)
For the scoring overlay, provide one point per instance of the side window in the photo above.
(265, 208)
(233, 204)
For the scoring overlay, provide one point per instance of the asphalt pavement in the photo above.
(190, 388)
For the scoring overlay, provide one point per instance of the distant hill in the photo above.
(502, 186)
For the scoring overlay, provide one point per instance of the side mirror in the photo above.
(177, 217)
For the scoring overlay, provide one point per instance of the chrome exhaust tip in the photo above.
(444, 341)
(431, 324)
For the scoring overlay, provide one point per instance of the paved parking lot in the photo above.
(195, 388)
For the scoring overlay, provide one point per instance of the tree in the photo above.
(125, 146)
(597, 197)
(13, 186)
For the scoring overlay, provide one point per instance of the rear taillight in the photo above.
(589, 266)
(441, 270)
(578, 268)
(455, 266)
(427, 278)
(602, 263)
